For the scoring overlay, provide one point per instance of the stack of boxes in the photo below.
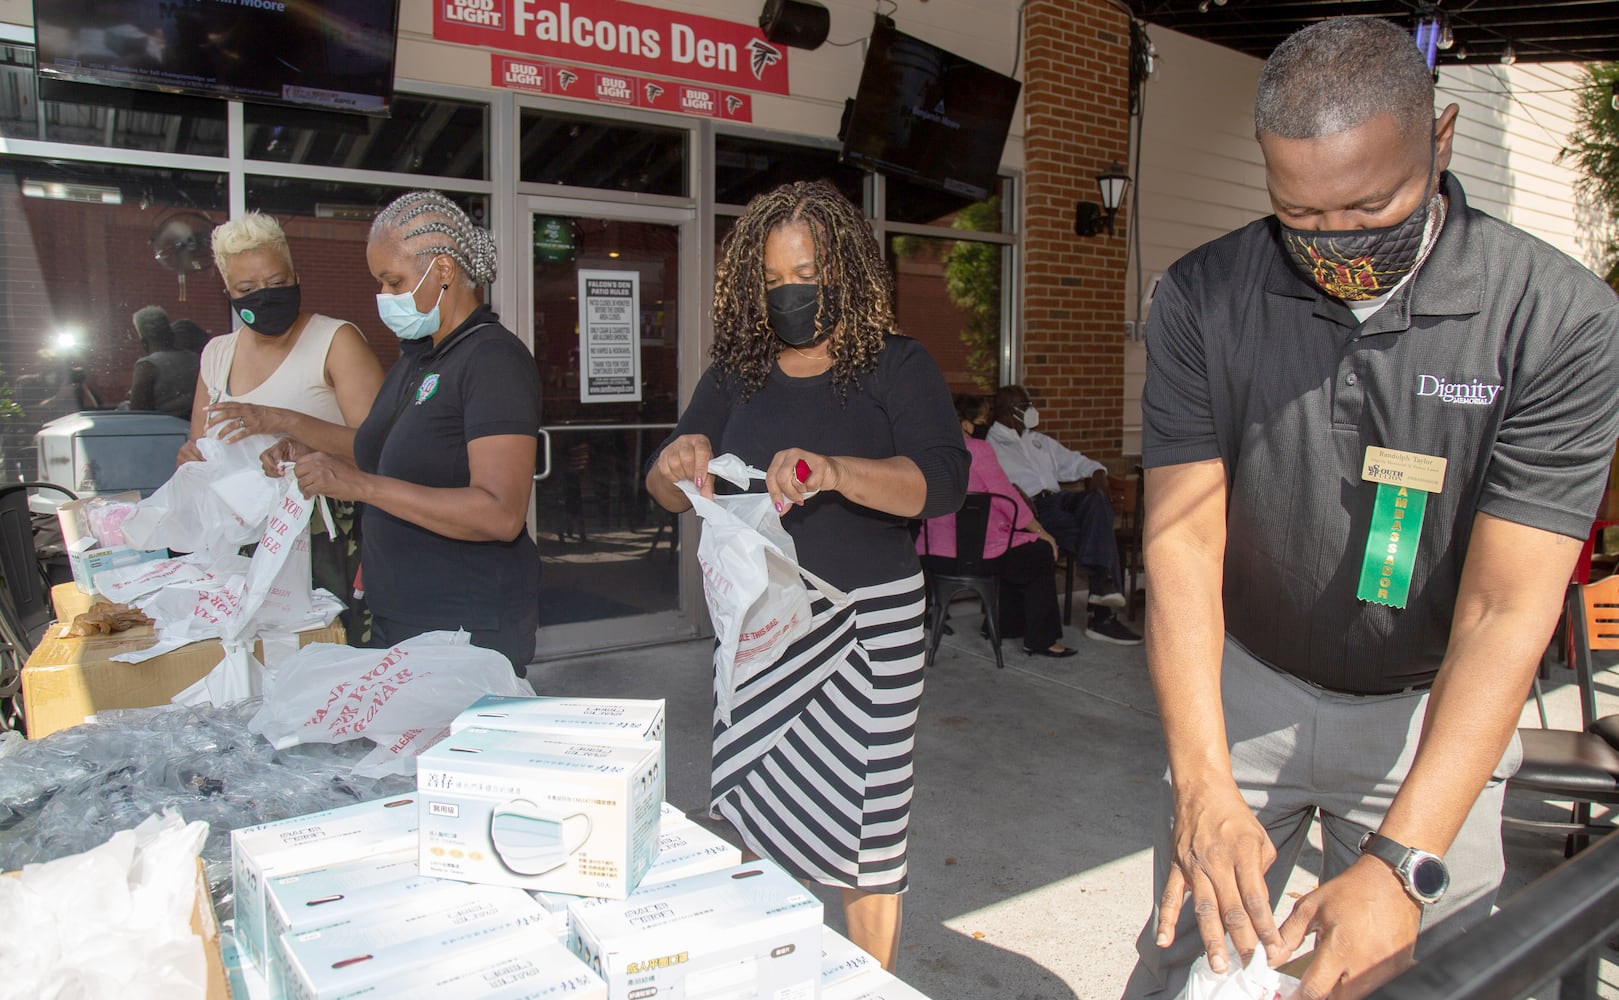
(536, 859)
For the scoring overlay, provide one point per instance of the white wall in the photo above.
(1202, 175)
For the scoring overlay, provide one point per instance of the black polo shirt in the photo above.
(1500, 355)
(478, 382)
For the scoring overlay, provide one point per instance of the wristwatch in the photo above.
(1424, 875)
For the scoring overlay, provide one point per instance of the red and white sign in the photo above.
(641, 40)
(562, 80)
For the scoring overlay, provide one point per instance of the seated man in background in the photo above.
(1027, 555)
(1081, 521)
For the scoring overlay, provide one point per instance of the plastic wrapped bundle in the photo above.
(71, 790)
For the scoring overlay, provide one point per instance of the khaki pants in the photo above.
(1299, 753)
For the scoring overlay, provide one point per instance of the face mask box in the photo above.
(415, 931)
(877, 985)
(741, 932)
(540, 814)
(297, 903)
(842, 960)
(305, 843)
(525, 964)
(586, 719)
(90, 553)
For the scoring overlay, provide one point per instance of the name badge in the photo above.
(1404, 479)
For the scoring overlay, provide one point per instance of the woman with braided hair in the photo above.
(444, 465)
(854, 423)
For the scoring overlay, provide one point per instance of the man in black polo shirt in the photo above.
(1352, 631)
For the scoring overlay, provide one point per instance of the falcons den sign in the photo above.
(645, 40)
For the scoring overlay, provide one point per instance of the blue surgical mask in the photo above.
(398, 311)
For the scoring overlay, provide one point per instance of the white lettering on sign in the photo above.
(686, 47)
(614, 88)
(524, 74)
(483, 13)
(697, 101)
(566, 28)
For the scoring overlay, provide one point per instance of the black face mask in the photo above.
(792, 309)
(270, 311)
(980, 431)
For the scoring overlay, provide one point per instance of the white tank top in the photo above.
(298, 383)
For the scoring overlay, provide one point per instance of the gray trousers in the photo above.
(1299, 752)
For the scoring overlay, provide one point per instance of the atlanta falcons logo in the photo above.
(763, 56)
(732, 103)
(566, 78)
(652, 92)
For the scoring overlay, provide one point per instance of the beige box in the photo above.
(66, 680)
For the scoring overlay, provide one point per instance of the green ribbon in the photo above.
(1391, 545)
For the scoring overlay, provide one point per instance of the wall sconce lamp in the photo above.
(1091, 219)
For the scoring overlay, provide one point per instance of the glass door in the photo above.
(609, 337)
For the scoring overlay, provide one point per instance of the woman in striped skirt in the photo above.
(855, 426)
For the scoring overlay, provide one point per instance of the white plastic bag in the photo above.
(752, 582)
(404, 698)
(1254, 981)
(214, 506)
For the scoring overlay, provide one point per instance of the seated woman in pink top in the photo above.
(1028, 560)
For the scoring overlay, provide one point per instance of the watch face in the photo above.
(1429, 878)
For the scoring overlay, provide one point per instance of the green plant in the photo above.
(1594, 148)
(972, 278)
(9, 410)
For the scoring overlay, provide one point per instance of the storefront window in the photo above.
(87, 245)
(91, 115)
(747, 167)
(326, 225)
(928, 206)
(947, 294)
(593, 153)
(423, 135)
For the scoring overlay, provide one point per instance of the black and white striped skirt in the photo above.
(814, 770)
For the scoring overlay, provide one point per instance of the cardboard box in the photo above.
(525, 964)
(877, 985)
(746, 931)
(410, 933)
(536, 813)
(85, 554)
(204, 924)
(842, 960)
(304, 844)
(684, 849)
(65, 681)
(70, 602)
(306, 900)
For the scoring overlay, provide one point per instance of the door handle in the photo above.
(545, 440)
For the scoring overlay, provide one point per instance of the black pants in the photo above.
(515, 640)
(1082, 523)
(1028, 593)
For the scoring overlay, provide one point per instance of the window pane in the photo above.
(88, 245)
(948, 295)
(92, 115)
(424, 135)
(586, 152)
(918, 203)
(326, 225)
(747, 167)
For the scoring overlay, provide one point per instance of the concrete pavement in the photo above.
(1035, 786)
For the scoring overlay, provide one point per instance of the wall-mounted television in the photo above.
(333, 54)
(930, 115)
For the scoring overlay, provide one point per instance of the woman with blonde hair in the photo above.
(286, 372)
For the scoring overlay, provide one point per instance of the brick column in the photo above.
(1076, 107)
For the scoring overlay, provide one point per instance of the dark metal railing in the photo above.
(1554, 931)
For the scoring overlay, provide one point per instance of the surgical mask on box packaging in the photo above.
(684, 849)
(735, 934)
(413, 932)
(842, 960)
(540, 814)
(526, 964)
(305, 843)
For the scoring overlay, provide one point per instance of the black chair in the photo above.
(25, 600)
(971, 570)
(1576, 765)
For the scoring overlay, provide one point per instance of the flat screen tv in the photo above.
(929, 115)
(333, 54)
